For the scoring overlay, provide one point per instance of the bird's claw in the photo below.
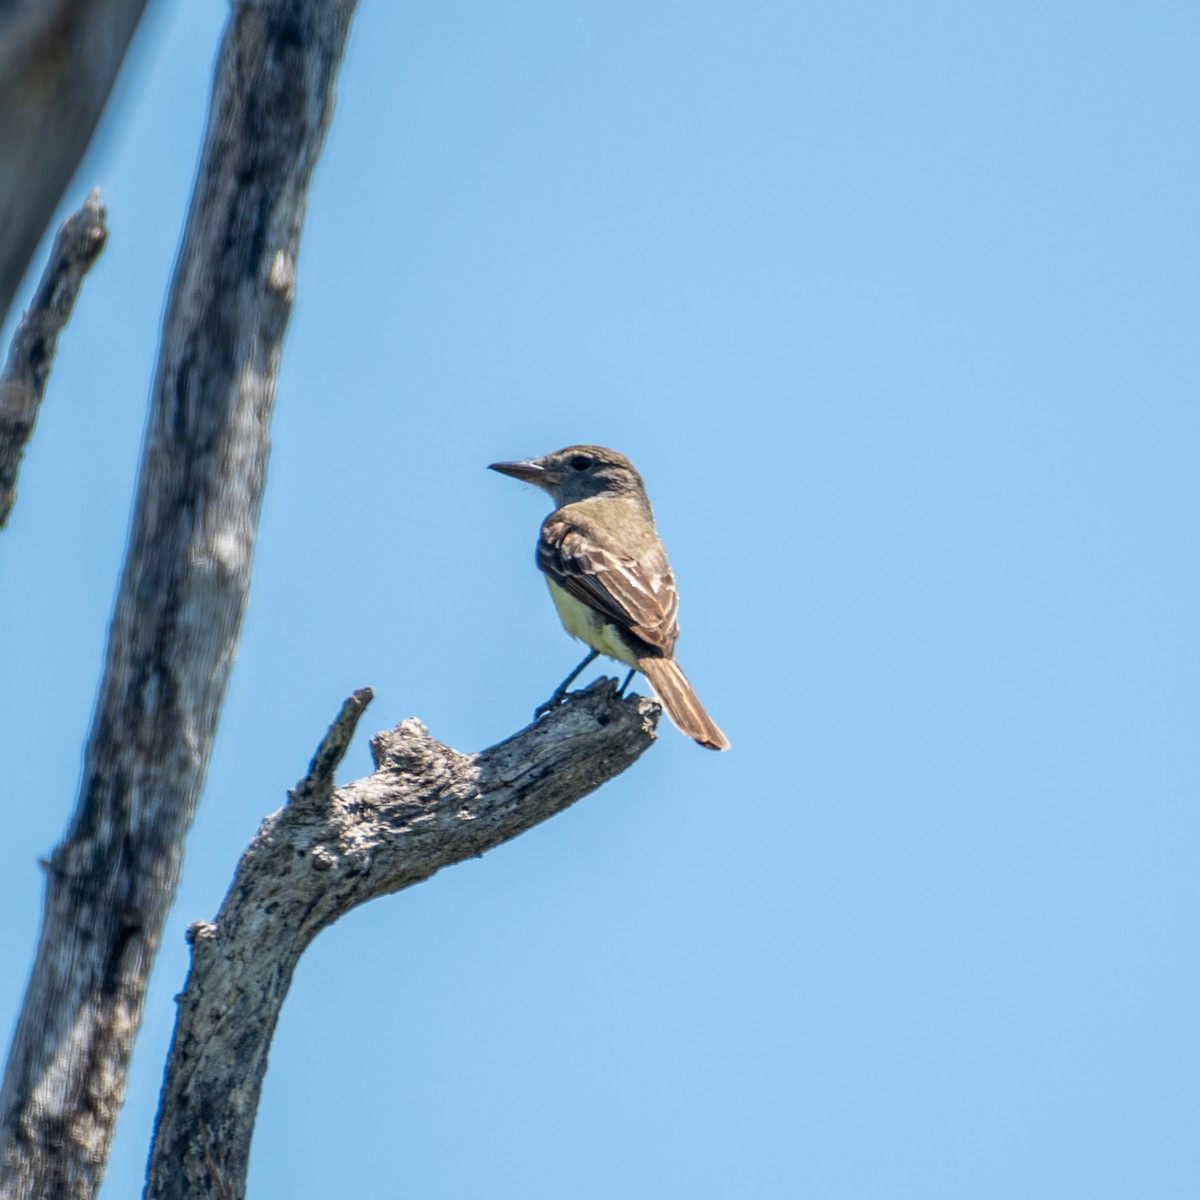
(549, 706)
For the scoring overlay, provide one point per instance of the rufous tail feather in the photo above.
(681, 703)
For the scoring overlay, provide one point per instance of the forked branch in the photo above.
(328, 851)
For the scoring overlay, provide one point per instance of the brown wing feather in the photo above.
(637, 595)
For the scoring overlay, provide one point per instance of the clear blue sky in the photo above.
(896, 308)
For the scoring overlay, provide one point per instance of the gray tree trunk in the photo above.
(181, 599)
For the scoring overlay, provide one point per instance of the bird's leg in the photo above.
(628, 678)
(561, 690)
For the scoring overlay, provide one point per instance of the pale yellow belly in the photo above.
(589, 626)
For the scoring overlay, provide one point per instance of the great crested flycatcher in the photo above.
(609, 577)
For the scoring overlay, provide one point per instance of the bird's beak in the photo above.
(531, 471)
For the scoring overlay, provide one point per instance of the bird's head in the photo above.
(577, 473)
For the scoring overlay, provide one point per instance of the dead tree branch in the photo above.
(426, 806)
(58, 62)
(31, 355)
(181, 599)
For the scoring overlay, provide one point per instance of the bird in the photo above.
(609, 576)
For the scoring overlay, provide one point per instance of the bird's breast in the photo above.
(586, 624)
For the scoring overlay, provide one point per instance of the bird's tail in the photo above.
(681, 703)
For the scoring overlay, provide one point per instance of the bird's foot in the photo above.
(550, 705)
(628, 679)
(560, 692)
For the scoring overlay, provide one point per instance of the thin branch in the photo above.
(181, 600)
(58, 62)
(31, 355)
(328, 851)
(318, 783)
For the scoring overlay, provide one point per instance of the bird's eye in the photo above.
(580, 462)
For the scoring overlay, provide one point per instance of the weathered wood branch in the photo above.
(58, 62)
(181, 599)
(31, 355)
(425, 806)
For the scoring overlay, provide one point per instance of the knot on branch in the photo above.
(408, 747)
(19, 401)
(200, 931)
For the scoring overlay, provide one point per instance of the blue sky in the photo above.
(895, 307)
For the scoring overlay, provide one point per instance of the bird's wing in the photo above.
(637, 594)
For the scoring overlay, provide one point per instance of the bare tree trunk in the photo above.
(58, 62)
(31, 355)
(181, 600)
(426, 806)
